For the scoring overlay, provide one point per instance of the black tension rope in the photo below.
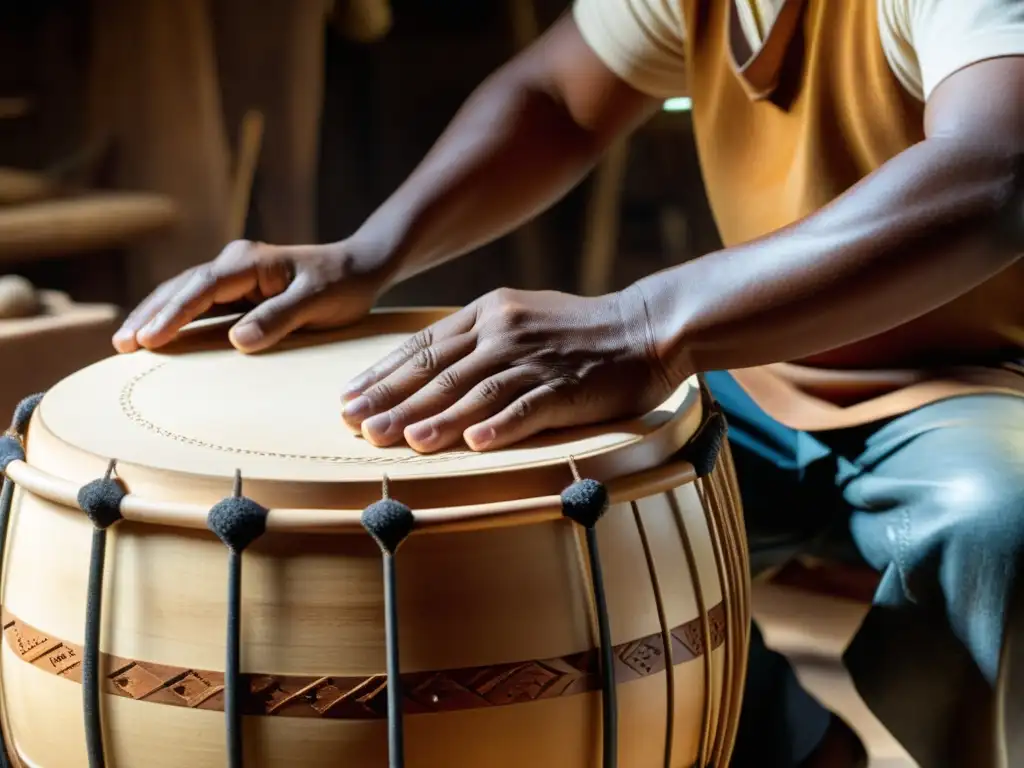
(390, 522)
(237, 521)
(12, 448)
(585, 502)
(101, 502)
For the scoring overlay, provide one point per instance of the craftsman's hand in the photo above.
(307, 286)
(510, 365)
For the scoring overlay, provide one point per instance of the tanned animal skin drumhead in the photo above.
(200, 409)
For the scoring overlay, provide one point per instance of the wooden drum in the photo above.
(506, 631)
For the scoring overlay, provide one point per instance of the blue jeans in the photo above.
(934, 501)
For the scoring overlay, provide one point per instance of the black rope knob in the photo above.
(23, 413)
(702, 451)
(11, 449)
(101, 499)
(237, 521)
(389, 522)
(11, 446)
(585, 501)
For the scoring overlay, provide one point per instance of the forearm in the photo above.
(926, 227)
(510, 153)
(522, 140)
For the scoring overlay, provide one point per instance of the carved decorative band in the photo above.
(364, 698)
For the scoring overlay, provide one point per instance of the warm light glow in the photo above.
(678, 104)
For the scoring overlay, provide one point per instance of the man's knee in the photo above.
(962, 551)
(981, 506)
(958, 529)
(963, 485)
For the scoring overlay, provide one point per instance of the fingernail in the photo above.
(480, 437)
(423, 433)
(379, 425)
(358, 409)
(350, 392)
(246, 335)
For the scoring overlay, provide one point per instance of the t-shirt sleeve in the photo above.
(641, 41)
(926, 41)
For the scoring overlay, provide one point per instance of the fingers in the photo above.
(408, 403)
(243, 269)
(414, 374)
(125, 338)
(455, 324)
(208, 285)
(272, 320)
(538, 410)
(489, 396)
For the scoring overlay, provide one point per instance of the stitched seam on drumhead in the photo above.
(135, 416)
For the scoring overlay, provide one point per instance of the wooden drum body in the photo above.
(498, 632)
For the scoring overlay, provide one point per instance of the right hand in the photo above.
(304, 286)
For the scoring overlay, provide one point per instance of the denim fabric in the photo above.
(934, 501)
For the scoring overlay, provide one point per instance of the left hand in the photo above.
(510, 365)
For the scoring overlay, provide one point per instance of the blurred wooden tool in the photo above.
(363, 21)
(91, 222)
(73, 173)
(250, 142)
(18, 186)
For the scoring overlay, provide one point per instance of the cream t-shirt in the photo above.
(925, 41)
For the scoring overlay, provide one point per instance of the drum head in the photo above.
(200, 409)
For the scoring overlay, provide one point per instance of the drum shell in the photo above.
(494, 597)
(313, 607)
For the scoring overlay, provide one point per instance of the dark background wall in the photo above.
(385, 104)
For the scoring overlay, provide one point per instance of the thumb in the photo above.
(271, 321)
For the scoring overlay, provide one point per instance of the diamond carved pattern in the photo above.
(364, 698)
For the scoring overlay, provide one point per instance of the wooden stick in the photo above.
(250, 142)
(601, 232)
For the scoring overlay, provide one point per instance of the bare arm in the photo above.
(934, 222)
(527, 135)
(937, 220)
(522, 140)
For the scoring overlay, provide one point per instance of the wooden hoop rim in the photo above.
(500, 514)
